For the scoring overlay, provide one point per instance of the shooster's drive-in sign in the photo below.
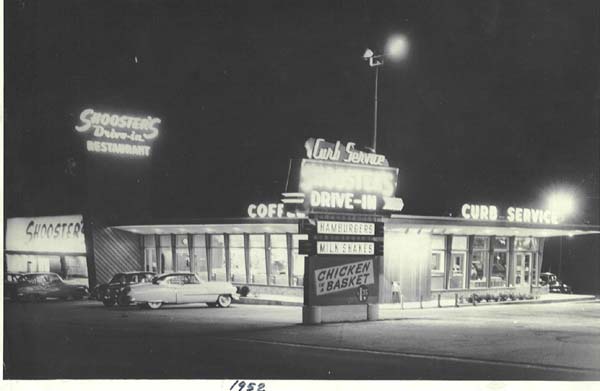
(339, 280)
(116, 134)
(334, 177)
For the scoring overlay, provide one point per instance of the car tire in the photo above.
(121, 302)
(224, 301)
(154, 305)
(108, 303)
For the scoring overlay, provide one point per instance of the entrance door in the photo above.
(523, 269)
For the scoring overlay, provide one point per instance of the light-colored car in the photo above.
(179, 288)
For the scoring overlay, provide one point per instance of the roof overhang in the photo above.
(407, 223)
(460, 226)
(229, 226)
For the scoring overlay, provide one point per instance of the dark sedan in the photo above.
(554, 284)
(10, 284)
(40, 286)
(109, 292)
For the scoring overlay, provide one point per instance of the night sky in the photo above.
(497, 101)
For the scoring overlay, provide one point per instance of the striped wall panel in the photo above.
(115, 251)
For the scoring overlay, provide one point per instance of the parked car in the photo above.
(109, 293)
(10, 284)
(40, 286)
(179, 288)
(554, 284)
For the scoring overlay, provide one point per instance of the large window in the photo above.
(499, 272)
(438, 262)
(279, 260)
(258, 265)
(480, 262)
(182, 254)
(456, 274)
(238, 258)
(150, 264)
(199, 262)
(298, 276)
(217, 258)
(166, 254)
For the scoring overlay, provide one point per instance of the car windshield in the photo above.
(117, 278)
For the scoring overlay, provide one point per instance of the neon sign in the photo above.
(118, 134)
(513, 214)
(319, 149)
(346, 178)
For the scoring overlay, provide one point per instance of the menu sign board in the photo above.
(339, 280)
(345, 228)
(343, 277)
(345, 248)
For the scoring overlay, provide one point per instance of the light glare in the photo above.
(397, 47)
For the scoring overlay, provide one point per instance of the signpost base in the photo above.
(311, 314)
(372, 311)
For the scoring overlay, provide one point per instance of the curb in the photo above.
(250, 300)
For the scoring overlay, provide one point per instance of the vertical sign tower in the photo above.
(345, 193)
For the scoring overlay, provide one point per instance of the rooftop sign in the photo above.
(513, 214)
(116, 134)
(319, 149)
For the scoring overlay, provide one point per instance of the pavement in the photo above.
(83, 340)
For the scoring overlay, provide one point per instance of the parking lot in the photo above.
(83, 339)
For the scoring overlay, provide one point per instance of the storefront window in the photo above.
(182, 252)
(150, 264)
(279, 260)
(166, 254)
(525, 244)
(298, 276)
(481, 243)
(238, 259)
(437, 262)
(479, 268)
(258, 265)
(217, 258)
(499, 269)
(500, 243)
(75, 268)
(534, 274)
(199, 263)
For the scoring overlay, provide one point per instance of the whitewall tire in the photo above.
(224, 301)
(154, 305)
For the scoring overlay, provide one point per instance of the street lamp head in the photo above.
(562, 203)
(396, 47)
(368, 54)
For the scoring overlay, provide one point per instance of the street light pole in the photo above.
(375, 109)
(396, 49)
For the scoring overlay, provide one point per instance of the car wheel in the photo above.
(122, 302)
(224, 301)
(108, 302)
(154, 305)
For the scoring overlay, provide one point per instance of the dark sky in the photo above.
(497, 102)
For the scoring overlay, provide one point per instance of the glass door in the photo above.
(523, 269)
